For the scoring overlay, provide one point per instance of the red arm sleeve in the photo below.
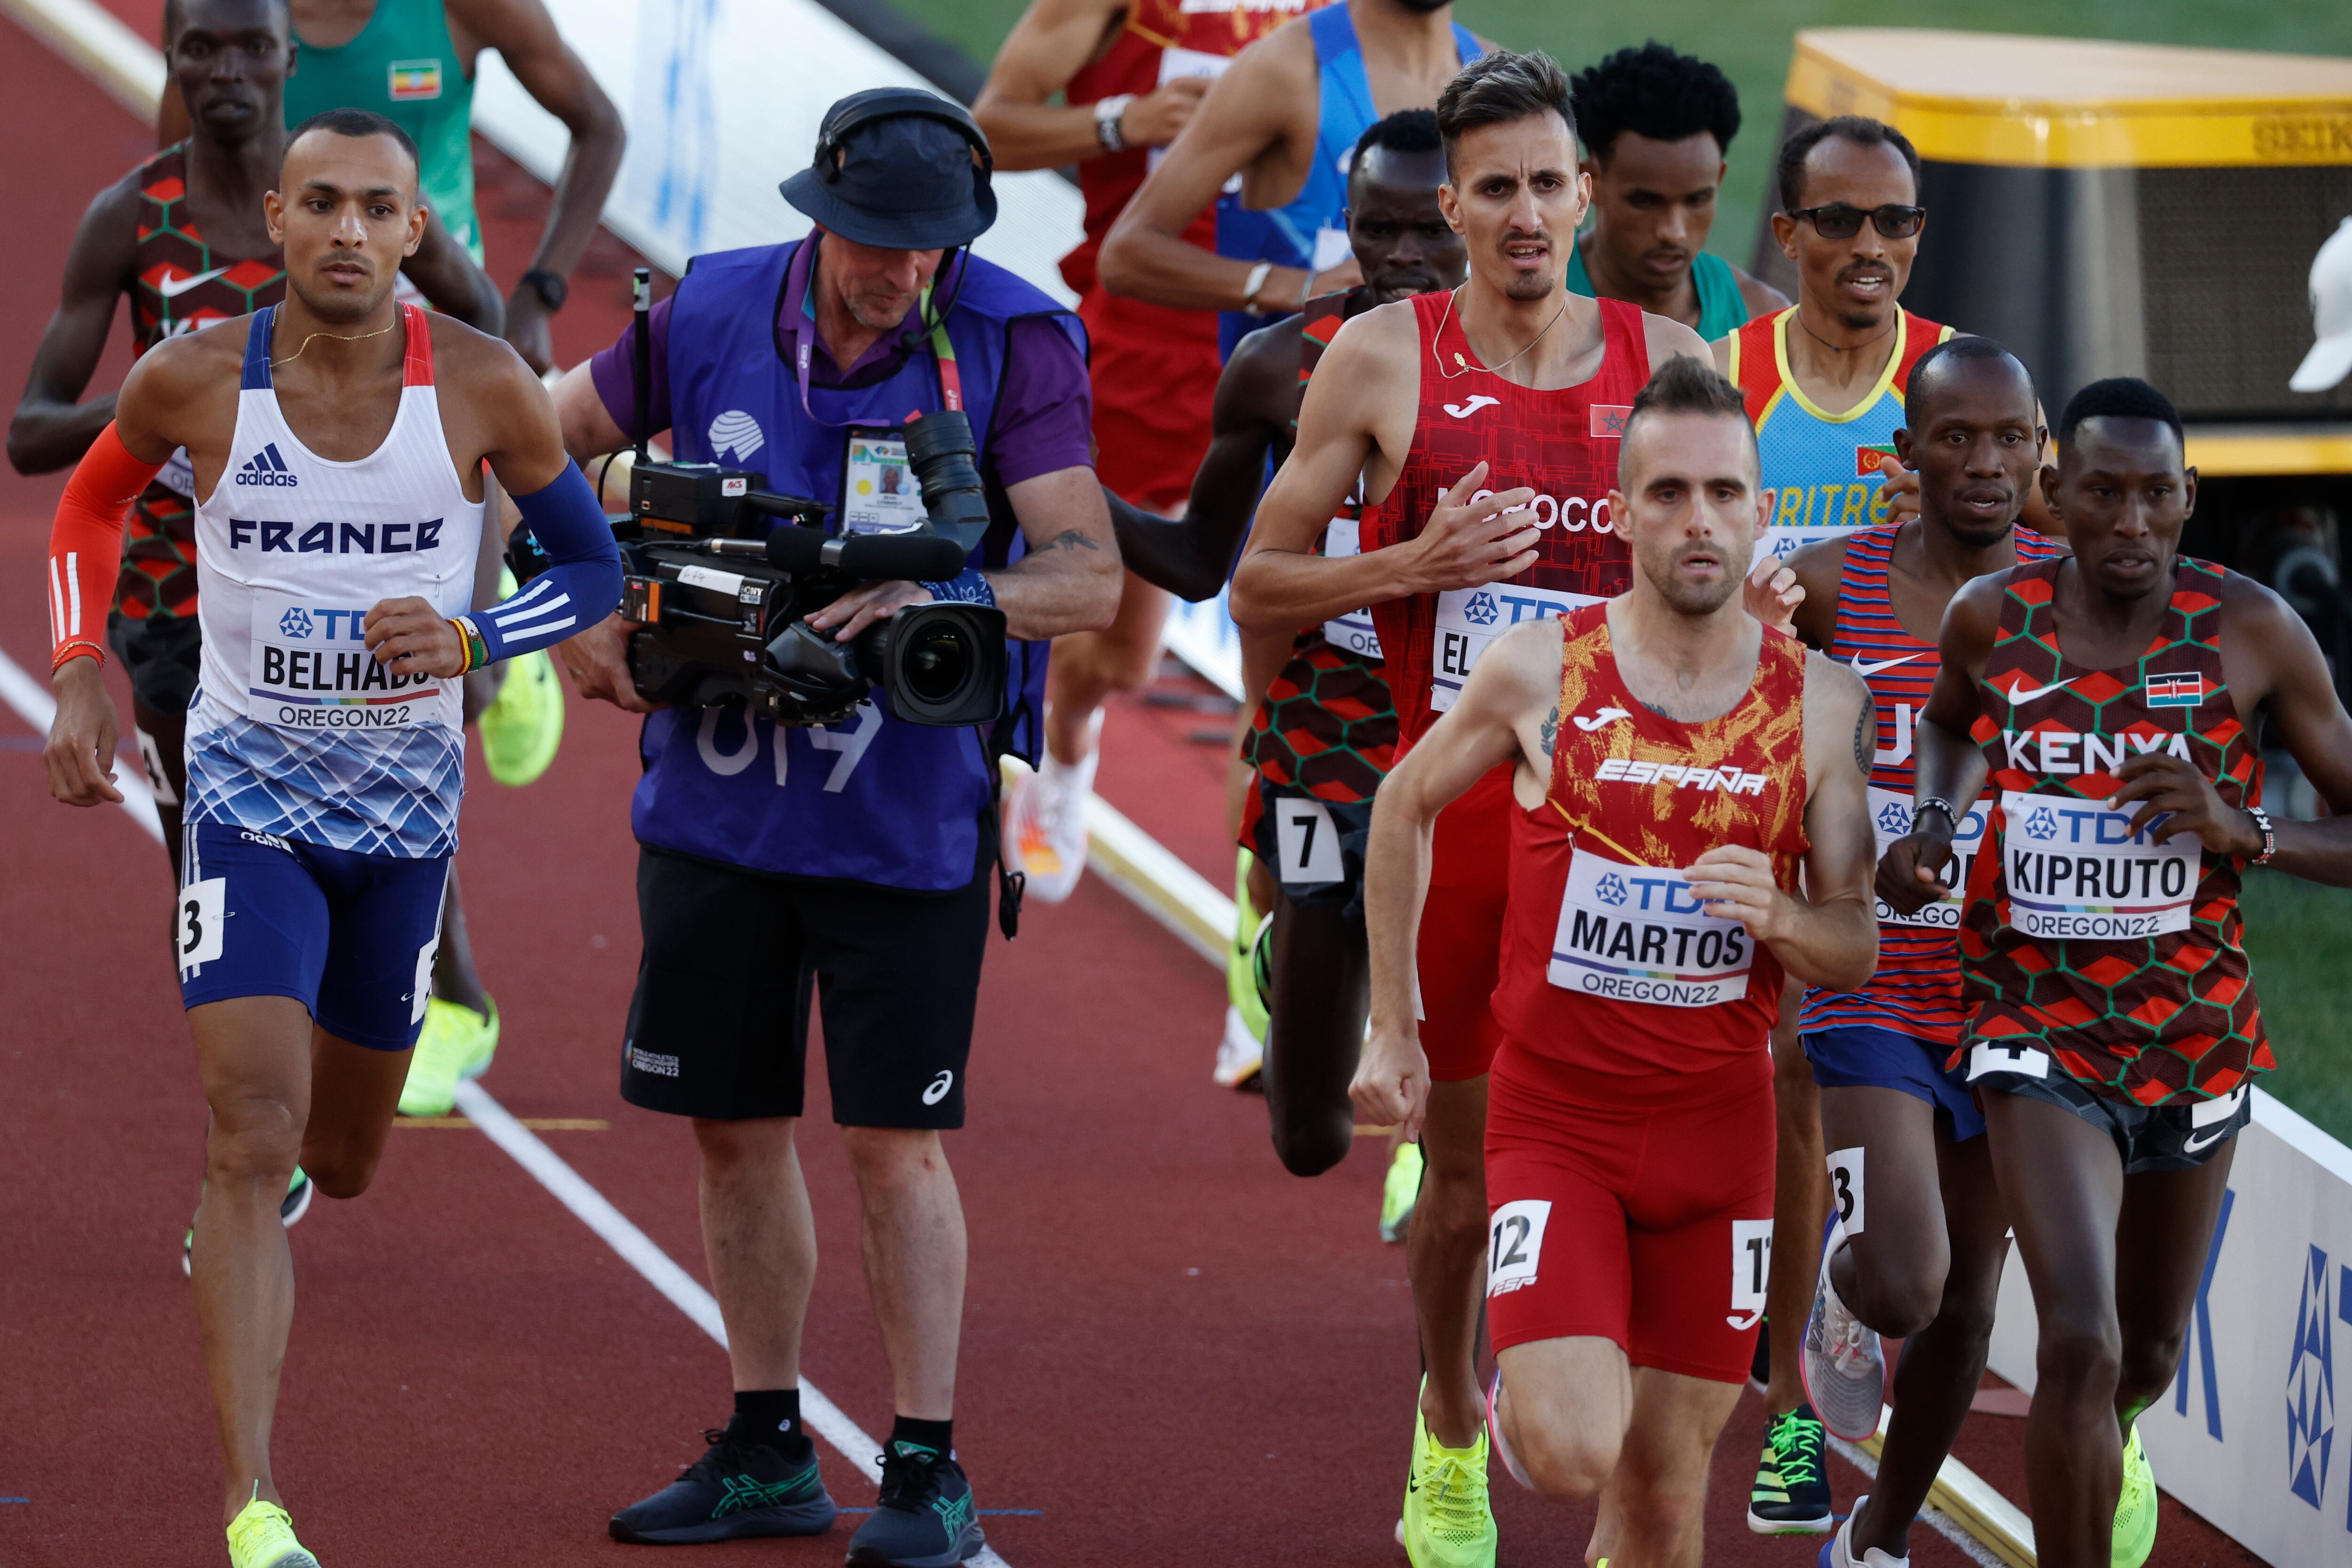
(86, 545)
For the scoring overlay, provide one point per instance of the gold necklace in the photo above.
(1466, 367)
(314, 336)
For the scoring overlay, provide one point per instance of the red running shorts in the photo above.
(1632, 1209)
(1154, 373)
(1461, 937)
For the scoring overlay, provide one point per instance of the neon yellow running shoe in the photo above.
(458, 1042)
(521, 728)
(1448, 1522)
(2135, 1536)
(1399, 1191)
(261, 1536)
(1242, 1052)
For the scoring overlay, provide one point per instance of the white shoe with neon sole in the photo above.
(1046, 825)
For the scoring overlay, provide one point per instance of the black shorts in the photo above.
(2180, 1135)
(162, 655)
(1315, 847)
(718, 1027)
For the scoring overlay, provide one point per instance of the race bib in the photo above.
(879, 492)
(1308, 842)
(1470, 618)
(1352, 631)
(1890, 819)
(311, 670)
(2078, 872)
(1175, 62)
(1633, 933)
(178, 475)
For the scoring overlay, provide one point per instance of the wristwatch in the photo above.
(1251, 285)
(1108, 112)
(551, 288)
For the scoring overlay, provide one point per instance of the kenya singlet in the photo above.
(1608, 961)
(1917, 990)
(1561, 444)
(1820, 470)
(178, 283)
(2121, 955)
(295, 730)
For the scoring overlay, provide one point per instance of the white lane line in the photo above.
(570, 1189)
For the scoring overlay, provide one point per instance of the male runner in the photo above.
(339, 508)
(2114, 700)
(1657, 127)
(1923, 1229)
(1405, 402)
(1130, 73)
(1671, 764)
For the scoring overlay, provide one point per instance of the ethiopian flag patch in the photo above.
(414, 80)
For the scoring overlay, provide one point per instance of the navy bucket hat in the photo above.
(899, 168)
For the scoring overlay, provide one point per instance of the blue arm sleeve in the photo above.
(582, 583)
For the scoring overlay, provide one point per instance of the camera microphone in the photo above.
(915, 557)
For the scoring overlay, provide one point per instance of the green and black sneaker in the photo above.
(1792, 1495)
(739, 1488)
(293, 1206)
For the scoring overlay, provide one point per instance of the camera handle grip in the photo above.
(916, 557)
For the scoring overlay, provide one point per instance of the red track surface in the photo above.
(1172, 1354)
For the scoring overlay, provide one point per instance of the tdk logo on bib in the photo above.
(736, 434)
(266, 467)
(312, 669)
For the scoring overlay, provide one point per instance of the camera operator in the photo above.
(855, 859)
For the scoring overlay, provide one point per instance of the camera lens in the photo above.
(939, 662)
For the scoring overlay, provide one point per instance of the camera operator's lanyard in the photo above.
(942, 351)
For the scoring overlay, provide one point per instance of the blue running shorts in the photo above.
(1863, 1055)
(349, 936)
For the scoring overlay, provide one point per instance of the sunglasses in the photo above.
(1839, 221)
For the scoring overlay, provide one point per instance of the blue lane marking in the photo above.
(984, 1513)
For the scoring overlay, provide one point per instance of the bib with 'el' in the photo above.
(2076, 871)
(1470, 618)
(1890, 819)
(1633, 933)
(1352, 631)
(311, 670)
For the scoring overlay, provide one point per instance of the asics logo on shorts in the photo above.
(1630, 770)
(938, 1089)
(266, 467)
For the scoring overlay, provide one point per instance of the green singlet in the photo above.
(402, 66)
(1721, 308)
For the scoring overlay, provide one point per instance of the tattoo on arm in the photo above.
(1550, 731)
(1072, 538)
(1865, 736)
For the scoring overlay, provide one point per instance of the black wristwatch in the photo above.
(551, 288)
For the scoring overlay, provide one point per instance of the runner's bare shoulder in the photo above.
(1665, 338)
(184, 388)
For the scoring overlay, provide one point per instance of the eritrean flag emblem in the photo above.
(2175, 690)
(413, 79)
(1866, 459)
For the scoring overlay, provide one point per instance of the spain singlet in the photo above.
(295, 730)
(1820, 470)
(1917, 990)
(178, 283)
(1561, 444)
(2120, 955)
(1608, 962)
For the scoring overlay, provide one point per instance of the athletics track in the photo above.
(1173, 1353)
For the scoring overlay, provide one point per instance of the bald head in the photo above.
(1972, 434)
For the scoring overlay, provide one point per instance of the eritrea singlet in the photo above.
(402, 65)
(1608, 962)
(1561, 442)
(1721, 306)
(1328, 725)
(295, 730)
(2120, 955)
(178, 283)
(1820, 470)
(1917, 990)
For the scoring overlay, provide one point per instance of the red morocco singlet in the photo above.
(1608, 962)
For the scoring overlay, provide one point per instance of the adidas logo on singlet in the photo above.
(266, 467)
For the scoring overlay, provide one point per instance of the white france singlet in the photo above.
(295, 730)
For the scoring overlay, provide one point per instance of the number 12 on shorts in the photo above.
(197, 935)
(1515, 1244)
(1309, 844)
(1752, 1271)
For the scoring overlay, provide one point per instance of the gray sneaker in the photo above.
(1844, 1366)
(925, 1518)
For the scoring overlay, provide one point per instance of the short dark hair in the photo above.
(1961, 349)
(1684, 386)
(1789, 170)
(357, 123)
(175, 17)
(1502, 89)
(1654, 92)
(1406, 131)
(2119, 397)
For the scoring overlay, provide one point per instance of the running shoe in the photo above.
(925, 1517)
(1240, 1052)
(1046, 825)
(738, 1488)
(457, 1042)
(1448, 1522)
(1399, 1190)
(1792, 1494)
(2135, 1536)
(293, 1206)
(1837, 1551)
(523, 725)
(1844, 1365)
(261, 1536)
